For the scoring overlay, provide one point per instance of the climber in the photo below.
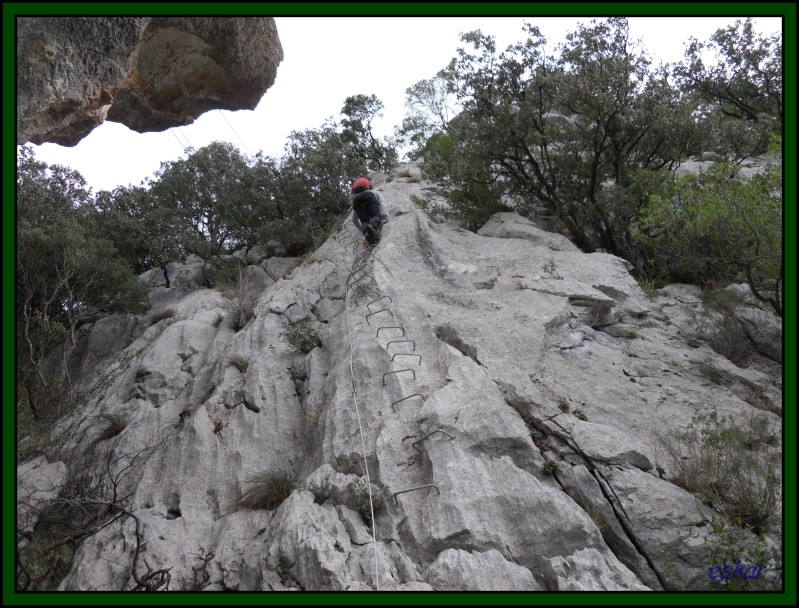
(369, 211)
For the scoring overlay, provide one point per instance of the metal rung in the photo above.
(366, 257)
(404, 398)
(363, 297)
(428, 485)
(400, 342)
(390, 327)
(367, 266)
(408, 355)
(413, 445)
(366, 276)
(351, 275)
(377, 300)
(368, 253)
(371, 314)
(399, 371)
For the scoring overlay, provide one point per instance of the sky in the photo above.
(324, 63)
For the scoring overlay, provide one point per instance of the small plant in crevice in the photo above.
(240, 362)
(301, 337)
(647, 284)
(551, 467)
(362, 503)
(320, 490)
(315, 415)
(595, 513)
(580, 415)
(563, 404)
(268, 489)
(551, 270)
(218, 423)
(240, 299)
(160, 315)
(434, 211)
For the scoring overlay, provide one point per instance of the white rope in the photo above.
(363, 443)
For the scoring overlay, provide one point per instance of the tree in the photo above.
(142, 230)
(746, 81)
(558, 131)
(706, 228)
(359, 111)
(66, 273)
(208, 198)
(430, 107)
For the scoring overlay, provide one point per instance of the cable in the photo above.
(234, 131)
(363, 443)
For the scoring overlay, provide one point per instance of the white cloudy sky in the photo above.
(324, 63)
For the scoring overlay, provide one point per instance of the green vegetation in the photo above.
(589, 132)
(241, 297)
(731, 544)
(706, 229)
(301, 337)
(729, 466)
(267, 490)
(240, 363)
(160, 315)
(320, 490)
(551, 467)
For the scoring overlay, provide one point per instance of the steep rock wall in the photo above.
(507, 327)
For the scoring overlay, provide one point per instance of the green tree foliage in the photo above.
(556, 131)
(430, 105)
(735, 80)
(66, 272)
(142, 230)
(359, 112)
(708, 228)
(745, 82)
(205, 195)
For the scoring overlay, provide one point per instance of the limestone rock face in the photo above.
(502, 435)
(148, 73)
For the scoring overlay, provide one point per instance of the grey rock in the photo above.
(457, 570)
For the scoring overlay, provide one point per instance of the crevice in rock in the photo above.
(546, 434)
(611, 497)
(449, 335)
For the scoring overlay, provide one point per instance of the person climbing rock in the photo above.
(369, 211)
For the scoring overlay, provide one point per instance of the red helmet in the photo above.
(361, 182)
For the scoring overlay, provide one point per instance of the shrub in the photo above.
(240, 299)
(551, 270)
(320, 490)
(550, 467)
(563, 405)
(731, 544)
(160, 315)
(362, 501)
(719, 461)
(239, 362)
(267, 490)
(301, 337)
